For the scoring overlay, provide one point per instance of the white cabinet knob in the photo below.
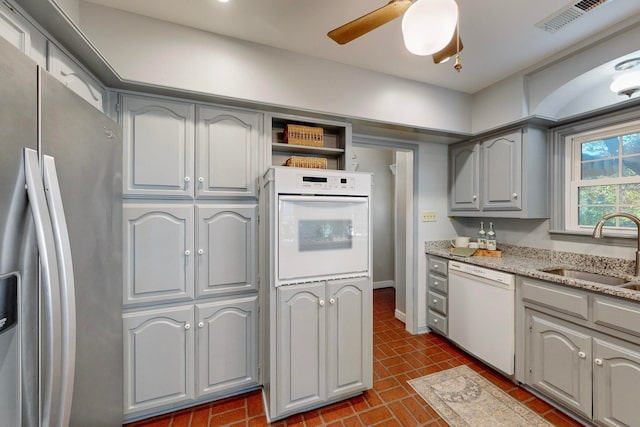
(435, 301)
(598, 362)
(200, 179)
(435, 283)
(187, 179)
(187, 252)
(514, 195)
(187, 326)
(200, 251)
(475, 197)
(321, 302)
(582, 354)
(201, 325)
(435, 267)
(435, 320)
(332, 301)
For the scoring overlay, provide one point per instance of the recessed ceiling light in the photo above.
(223, 1)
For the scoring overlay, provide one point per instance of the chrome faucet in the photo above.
(597, 232)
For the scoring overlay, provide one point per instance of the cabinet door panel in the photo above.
(464, 179)
(158, 264)
(349, 345)
(301, 346)
(227, 345)
(158, 140)
(158, 358)
(616, 376)
(226, 249)
(559, 362)
(227, 152)
(502, 166)
(75, 78)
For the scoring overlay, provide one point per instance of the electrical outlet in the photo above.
(428, 216)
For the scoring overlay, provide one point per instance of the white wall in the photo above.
(162, 54)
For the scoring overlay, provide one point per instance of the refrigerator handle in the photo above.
(67, 284)
(51, 354)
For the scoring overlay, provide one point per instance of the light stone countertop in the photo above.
(525, 261)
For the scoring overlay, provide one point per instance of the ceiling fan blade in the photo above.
(370, 21)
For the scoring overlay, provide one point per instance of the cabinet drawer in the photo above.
(557, 297)
(438, 322)
(438, 265)
(616, 314)
(439, 283)
(437, 302)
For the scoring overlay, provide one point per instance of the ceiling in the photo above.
(500, 36)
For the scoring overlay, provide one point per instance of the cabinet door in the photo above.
(464, 177)
(157, 253)
(74, 77)
(158, 144)
(616, 375)
(227, 345)
(502, 172)
(559, 361)
(227, 258)
(227, 153)
(158, 358)
(349, 338)
(301, 346)
(21, 34)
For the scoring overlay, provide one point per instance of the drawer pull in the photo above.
(582, 355)
(435, 301)
(598, 362)
(435, 320)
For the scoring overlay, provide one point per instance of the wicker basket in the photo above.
(303, 135)
(306, 162)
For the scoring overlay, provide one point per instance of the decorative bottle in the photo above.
(491, 238)
(482, 237)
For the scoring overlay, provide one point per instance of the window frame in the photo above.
(561, 167)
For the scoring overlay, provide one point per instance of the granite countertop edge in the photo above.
(529, 262)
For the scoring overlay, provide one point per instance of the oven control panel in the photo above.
(323, 182)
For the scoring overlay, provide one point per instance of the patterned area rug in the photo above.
(464, 398)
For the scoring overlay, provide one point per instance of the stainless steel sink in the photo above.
(590, 277)
(632, 286)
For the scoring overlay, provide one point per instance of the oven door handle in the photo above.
(315, 199)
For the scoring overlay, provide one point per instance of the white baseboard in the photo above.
(384, 284)
(401, 316)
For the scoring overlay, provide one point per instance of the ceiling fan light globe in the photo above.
(428, 25)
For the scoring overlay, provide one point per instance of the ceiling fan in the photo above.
(392, 10)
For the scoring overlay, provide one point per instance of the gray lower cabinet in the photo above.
(178, 355)
(437, 294)
(324, 343)
(582, 351)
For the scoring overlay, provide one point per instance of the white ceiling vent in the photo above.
(568, 14)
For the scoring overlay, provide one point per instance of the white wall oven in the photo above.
(322, 226)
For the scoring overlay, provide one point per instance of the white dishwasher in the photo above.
(481, 313)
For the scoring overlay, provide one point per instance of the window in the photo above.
(603, 176)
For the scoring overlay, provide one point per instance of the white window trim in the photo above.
(572, 183)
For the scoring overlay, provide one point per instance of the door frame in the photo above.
(411, 272)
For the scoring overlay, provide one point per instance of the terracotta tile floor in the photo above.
(398, 357)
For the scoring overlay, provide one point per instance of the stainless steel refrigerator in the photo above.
(60, 253)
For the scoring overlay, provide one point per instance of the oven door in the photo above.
(321, 237)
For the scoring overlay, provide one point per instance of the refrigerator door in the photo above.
(87, 149)
(19, 405)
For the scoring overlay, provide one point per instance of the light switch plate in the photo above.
(428, 216)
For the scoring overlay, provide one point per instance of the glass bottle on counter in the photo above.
(482, 237)
(491, 238)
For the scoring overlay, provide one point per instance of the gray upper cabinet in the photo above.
(226, 242)
(21, 34)
(502, 165)
(504, 175)
(158, 253)
(559, 361)
(72, 75)
(227, 152)
(158, 143)
(158, 358)
(464, 169)
(227, 345)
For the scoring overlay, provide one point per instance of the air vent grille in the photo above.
(568, 14)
